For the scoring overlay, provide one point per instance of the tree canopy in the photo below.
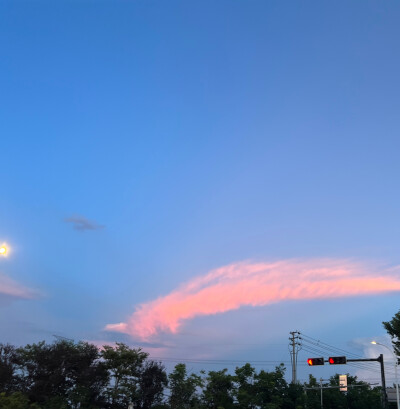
(393, 329)
(68, 375)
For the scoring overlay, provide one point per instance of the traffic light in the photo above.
(337, 360)
(315, 361)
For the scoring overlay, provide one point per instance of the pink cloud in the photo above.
(11, 288)
(255, 284)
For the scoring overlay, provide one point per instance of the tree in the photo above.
(125, 366)
(393, 329)
(334, 398)
(16, 401)
(183, 388)
(271, 388)
(44, 376)
(244, 387)
(294, 397)
(361, 396)
(9, 378)
(63, 374)
(313, 396)
(90, 377)
(218, 393)
(150, 386)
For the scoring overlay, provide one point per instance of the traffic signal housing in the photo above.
(337, 360)
(315, 361)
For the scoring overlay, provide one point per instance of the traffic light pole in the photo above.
(380, 360)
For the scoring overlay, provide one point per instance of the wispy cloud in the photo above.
(158, 352)
(256, 284)
(11, 288)
(80, 223)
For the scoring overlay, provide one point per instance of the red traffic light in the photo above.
(337, 360)
(315, 361)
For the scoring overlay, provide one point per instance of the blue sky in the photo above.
(198, 134)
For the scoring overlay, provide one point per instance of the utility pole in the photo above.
(294, 348)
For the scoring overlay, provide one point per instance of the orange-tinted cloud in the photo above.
(255, 284)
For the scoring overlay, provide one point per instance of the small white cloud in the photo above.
(120, 327)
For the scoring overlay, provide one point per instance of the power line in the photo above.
(219, 361)
(328, 346)
(368, 366)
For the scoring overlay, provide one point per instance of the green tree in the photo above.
(271, 388)
(362, 396)
(359, 395)
(244, 392)
(218, 392)
(16, 401)
(90, 377)
(9, 377)
(183, 388)
(63, 375)
(313, 397)
(334, 398)
(294, 397)
(44, 375)
(393, 329)
(150, 385)
(125, 366)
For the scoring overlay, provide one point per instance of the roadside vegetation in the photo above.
(68, 375)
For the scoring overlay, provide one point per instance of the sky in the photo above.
(200, 178)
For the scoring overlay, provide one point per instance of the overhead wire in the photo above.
(317, 346)
(309, 344)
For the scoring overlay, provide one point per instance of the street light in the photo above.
(395, 369)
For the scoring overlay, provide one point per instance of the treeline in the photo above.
(67, 375)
